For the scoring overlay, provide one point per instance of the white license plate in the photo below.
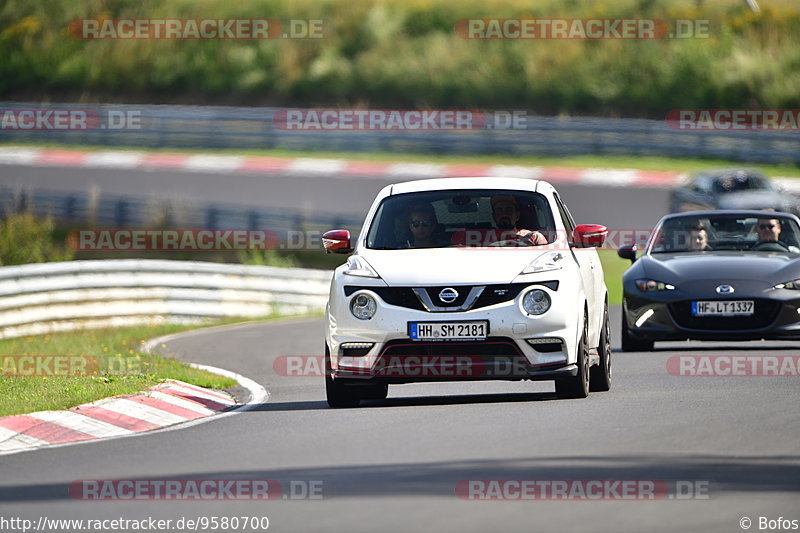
(448, 331)
(723, 308)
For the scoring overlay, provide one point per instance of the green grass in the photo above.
(613, 268)
(123, 368)
(584, 161)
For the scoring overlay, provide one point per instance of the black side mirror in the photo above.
(628, 252)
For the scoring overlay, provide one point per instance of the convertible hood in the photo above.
(723, 266)
(456, 266)
(751, 200)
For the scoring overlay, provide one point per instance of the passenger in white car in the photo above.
(422, 225)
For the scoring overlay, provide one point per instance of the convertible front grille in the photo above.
(764, 314)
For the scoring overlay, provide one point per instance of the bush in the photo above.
(26, 239)
(406, 53)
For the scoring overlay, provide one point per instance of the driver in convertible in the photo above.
(768, 230)
(505, 212)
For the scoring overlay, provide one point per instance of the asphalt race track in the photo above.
(616, 207)
(395, 465)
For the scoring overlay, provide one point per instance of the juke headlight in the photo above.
(536, 302)
(363, 306)
(651, 285)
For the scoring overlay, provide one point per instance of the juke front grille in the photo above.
(491, 294)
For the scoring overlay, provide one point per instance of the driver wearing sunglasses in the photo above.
(768, 231)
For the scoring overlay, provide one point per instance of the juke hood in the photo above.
(456, 266)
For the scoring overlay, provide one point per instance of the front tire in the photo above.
(338, 394)
(601, 374)
(631, 343)
(578, 385)
(378, 391)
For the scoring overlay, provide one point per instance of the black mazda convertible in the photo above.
(714, 275)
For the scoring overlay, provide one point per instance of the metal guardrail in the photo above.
(99, 209)
(50, 297)
(254, 127)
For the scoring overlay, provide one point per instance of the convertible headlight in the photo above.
(545, 263)
(792, 285)
(363, 306)
(358, 266)
(536, 302)
(651, 285)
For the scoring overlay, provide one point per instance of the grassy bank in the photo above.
(398, 53)
(104, 362)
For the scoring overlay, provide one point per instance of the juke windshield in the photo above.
(457, 218)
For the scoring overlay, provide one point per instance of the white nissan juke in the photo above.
(467, 279)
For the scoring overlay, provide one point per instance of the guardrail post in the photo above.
(70, 207)
(252, 220)
(212, 216)
(121, 213)
(92, 201)
(22, 202)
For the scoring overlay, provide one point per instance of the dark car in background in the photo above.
(714, 275)
(730, 189)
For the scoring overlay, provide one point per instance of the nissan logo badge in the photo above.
(448, 295)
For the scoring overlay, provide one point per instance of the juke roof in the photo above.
(522, 184)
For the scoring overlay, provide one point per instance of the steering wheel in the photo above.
(771, 246)
(518, 240)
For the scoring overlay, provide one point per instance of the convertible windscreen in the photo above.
(770, 233)
(457, 218)
(741, 182)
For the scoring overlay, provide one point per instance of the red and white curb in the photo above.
(342, 168)
(334, 168)
(165, 404)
